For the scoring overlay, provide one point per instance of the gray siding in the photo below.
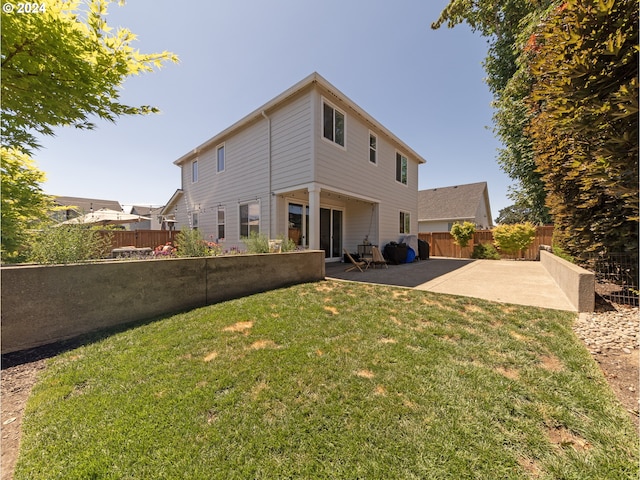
(291, 144)
(245, 178)
(349, 169)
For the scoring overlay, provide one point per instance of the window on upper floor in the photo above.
(220, 158)
(194, 171)
(373, 148)
(249, 218)
(401, 168)
(405, 222)
(221, 224)
(333, 121)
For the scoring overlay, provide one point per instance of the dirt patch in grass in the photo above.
(262, 344)
(380, 391)
(332, 310)
(508, 372)
(239, 327)
(551, 363)
(211, 356)
(563, 437)
(530, 466)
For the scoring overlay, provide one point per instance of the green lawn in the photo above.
(331, 380)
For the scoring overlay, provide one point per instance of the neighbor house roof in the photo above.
(314, 78)
(458, 202)
(85, 205)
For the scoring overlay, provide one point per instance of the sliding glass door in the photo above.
(331, 232)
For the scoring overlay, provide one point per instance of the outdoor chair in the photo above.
(356, 264)
(378, 259)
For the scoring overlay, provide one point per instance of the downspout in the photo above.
(271, 220)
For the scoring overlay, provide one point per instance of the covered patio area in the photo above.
(322, 218)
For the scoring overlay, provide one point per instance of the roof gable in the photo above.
(315, 79)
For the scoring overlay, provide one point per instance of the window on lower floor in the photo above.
(194, 220)
(405, 222)
(249, 218)
(221, 223)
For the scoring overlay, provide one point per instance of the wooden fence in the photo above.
(140, 238)
(441, 243)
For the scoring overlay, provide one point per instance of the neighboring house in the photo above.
(440, 208)
(77, 206)
(309, 165)
(153, 213)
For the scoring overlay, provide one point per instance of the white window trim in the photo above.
(371, 134)
(402, 155)
(333, 142)
(223, 146)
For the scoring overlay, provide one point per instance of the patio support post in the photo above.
(314, 217)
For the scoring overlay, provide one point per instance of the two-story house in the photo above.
(310, 165)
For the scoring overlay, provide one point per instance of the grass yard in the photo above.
(331, 380)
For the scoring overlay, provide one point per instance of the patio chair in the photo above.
(356, 264)
(378, 259)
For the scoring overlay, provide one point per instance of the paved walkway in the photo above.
(518, 282)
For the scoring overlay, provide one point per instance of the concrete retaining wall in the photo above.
(46, 304)
(577, 283)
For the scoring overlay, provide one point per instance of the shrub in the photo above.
(256, 243)
(191, 244)
(288, 245)
(485, 251)
(513, 239)
(68, 244)
(259, 243)
(463, 233)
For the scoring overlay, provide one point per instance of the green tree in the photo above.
(462, 233)
(516, 213)
(584, 62)
(24, 205)
(513, 239)
(60, 67)
(64, 65)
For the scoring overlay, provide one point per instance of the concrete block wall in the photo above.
(46, 304)
(577, 283)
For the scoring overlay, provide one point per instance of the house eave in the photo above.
(166, 210)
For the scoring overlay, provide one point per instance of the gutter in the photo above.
(271, 219)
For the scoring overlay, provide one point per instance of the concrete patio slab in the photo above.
(518, 282)
(523, 283)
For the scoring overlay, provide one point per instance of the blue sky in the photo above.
(426, 86)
